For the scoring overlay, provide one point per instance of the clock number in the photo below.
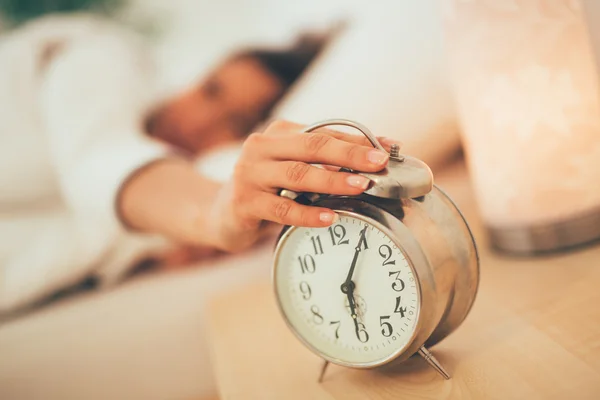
(305, 289)
(317, 317)
(361, 333)
(337, 328)
(338, 232)
(385, 251)
(307, 264)
(398, 284)
(399, 309)
(387, 329)
(316, 242)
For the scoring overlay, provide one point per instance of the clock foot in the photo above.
(431, 360)
(323, 369)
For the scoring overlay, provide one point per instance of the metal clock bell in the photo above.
(394, 275)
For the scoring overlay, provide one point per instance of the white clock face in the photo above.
(361, 317)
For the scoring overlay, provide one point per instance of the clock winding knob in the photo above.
(394, 150)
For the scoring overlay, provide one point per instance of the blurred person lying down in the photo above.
(95, 170)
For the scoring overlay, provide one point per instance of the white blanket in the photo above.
(72, 91)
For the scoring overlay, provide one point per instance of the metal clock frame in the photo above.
(428, 290)
(425, 224)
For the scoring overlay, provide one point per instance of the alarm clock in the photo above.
(397, 272)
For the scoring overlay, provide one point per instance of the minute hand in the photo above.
(357, 250)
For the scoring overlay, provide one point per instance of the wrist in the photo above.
(171, 198)
(230, 229)
(221, 221)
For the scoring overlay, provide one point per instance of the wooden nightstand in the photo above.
(533, 333)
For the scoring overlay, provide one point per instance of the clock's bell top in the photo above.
(404, 178)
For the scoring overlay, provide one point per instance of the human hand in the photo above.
(281, 158)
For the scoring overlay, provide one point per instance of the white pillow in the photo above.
(386, 71)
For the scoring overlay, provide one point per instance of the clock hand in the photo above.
(352, 303)
(357, 249)
(348, 285)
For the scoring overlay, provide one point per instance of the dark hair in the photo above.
(289, 64)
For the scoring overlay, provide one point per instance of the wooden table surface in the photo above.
(533, 333)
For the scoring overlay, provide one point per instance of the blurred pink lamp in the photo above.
(527, 90)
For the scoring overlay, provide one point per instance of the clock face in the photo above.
(347, 291)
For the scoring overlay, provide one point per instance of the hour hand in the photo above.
(352, 303)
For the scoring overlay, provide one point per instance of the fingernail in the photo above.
(389, 141)
(377, 157)
(358, 181)
(328, 217)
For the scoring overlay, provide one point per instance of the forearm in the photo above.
(171, 198)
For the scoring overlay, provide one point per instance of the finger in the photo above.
(284, 211)
(387, 142)
(299, 176)
(323, 149)
(330, 167)
(384, 141)
(279, 127)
